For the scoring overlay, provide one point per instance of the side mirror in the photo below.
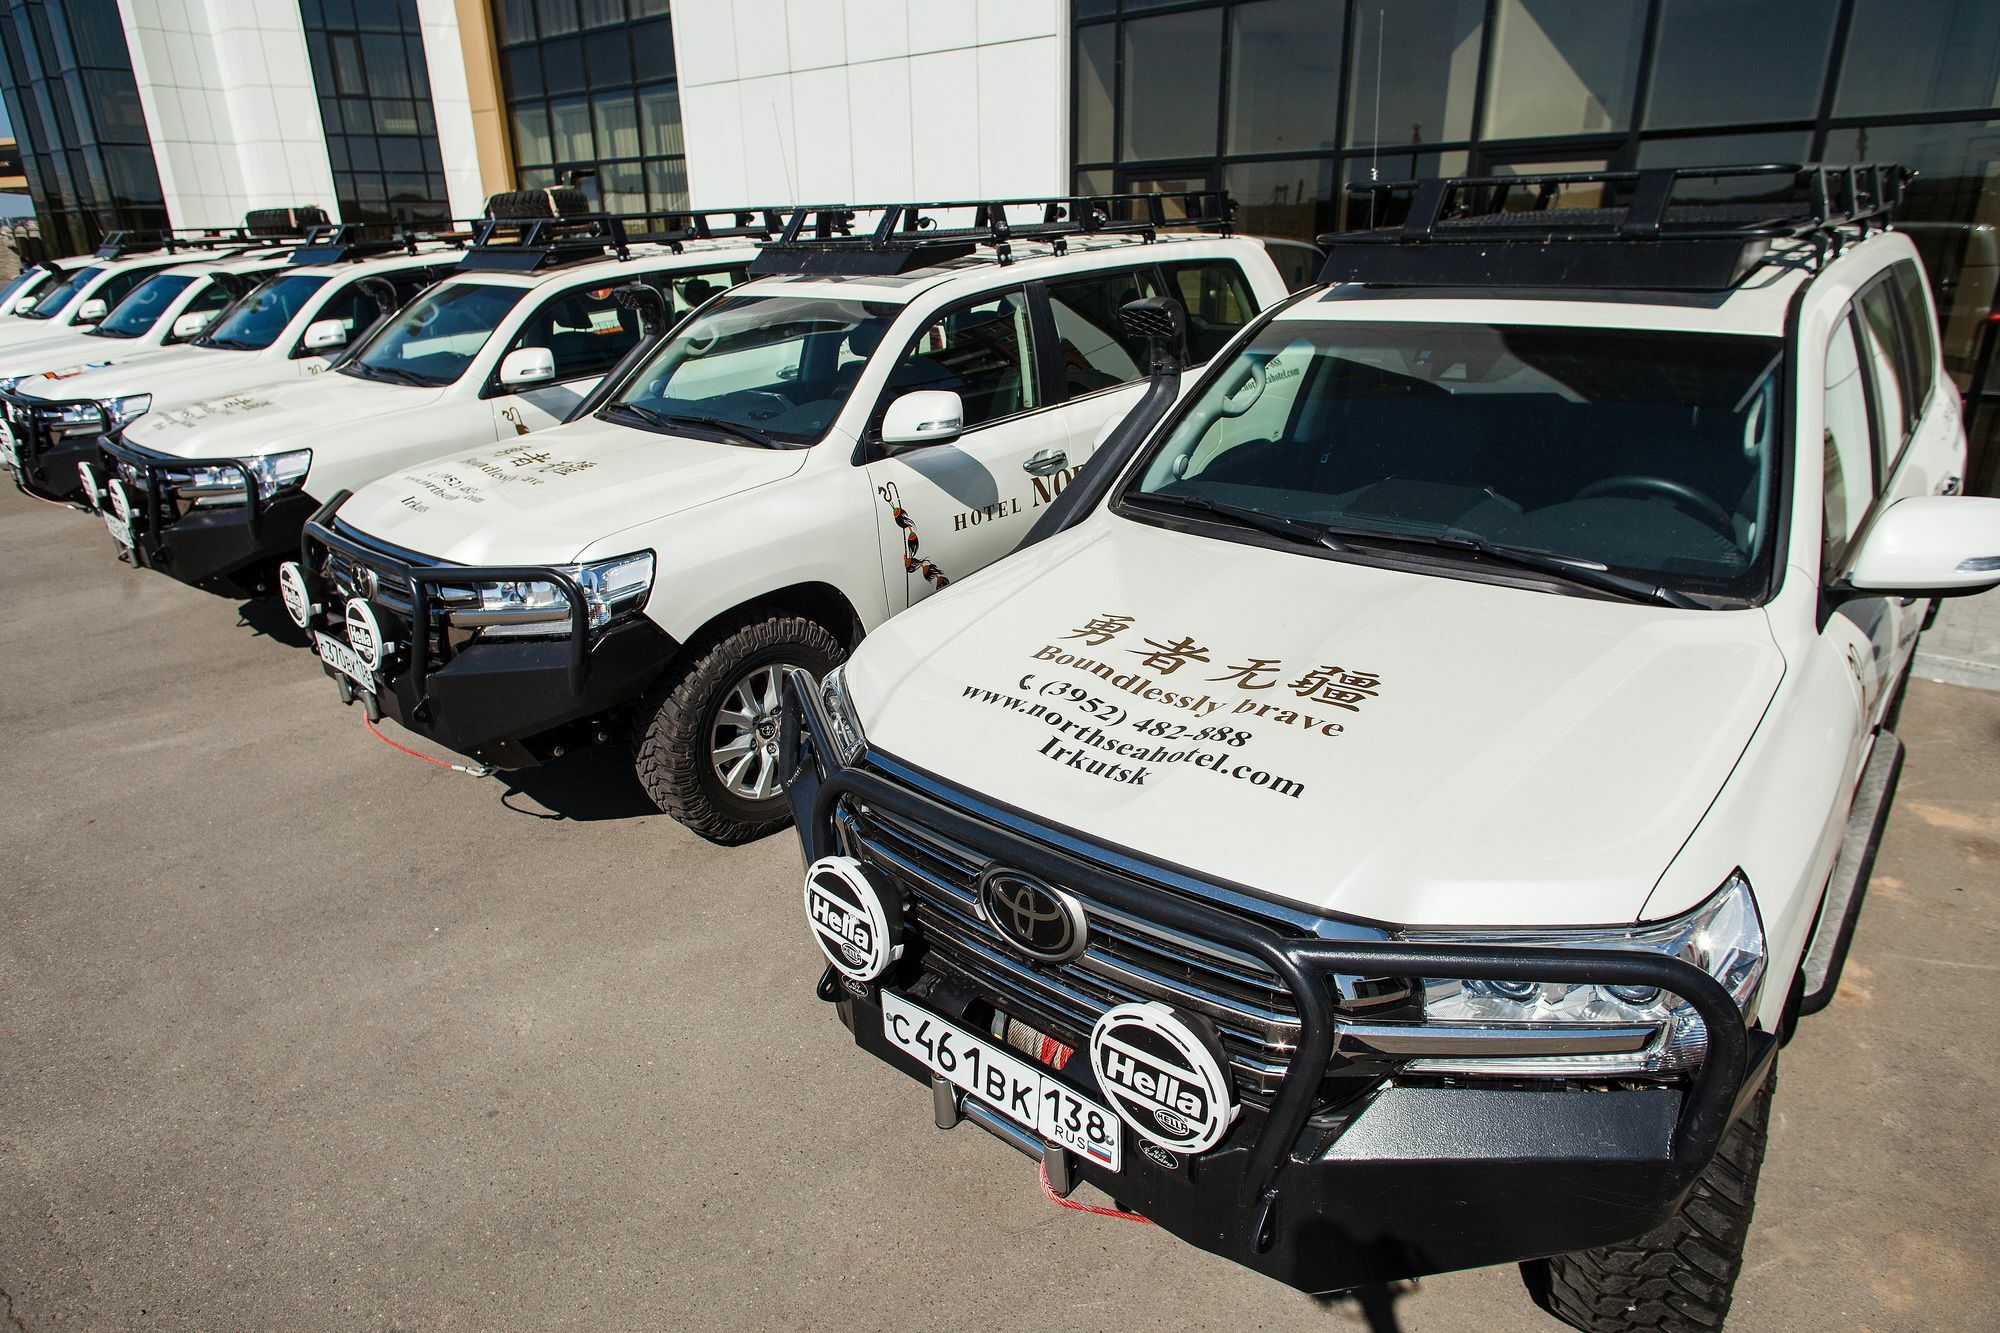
(325, 333)
(528, 365)
(187, 326)
(927, 416)
(1929, 546)
(92, 310)
(26, 303)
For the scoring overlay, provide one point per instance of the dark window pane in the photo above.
(1725, 62)
(617, 123)
(531, 134)
(394, 116)
(1096, 9)
(667, 184)
(660, 122)
(562, 66)
(361, 154)
(379, 15)
(1173, 78)
(403, 153)
(608, 57)
(358, 115)
(116, 102)
(1920, 55)
(1560, 67)
(1284, 75)
(642, 9)
(570, 122)
(516, 19)
(388, 68)
(1415, 66)
(524, 71)
(597, 13)
(1096, 63)
(557, 16)
(98, 33)
(1294, 200)
(653, 50)
(350, 78)
(1723, 150)
(624, 186)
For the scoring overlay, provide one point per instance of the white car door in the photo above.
(946, 510)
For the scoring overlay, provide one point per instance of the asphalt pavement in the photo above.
(297, 1032)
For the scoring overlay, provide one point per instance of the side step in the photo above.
(1851, 869)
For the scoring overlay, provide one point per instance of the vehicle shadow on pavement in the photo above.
(1375, 1303)
(266, 618)
(587, 785)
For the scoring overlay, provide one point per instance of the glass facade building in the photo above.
(374, 90)
(591, 89)
(75, 107)
(1285, 102)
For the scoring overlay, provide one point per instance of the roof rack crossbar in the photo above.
(1462, 231)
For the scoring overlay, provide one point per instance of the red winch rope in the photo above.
(1093, 1209)
(419, 754)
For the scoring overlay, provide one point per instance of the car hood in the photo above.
(65, 355)
(170, 374)
(255, 420)
(546, 498)
(1413, 749)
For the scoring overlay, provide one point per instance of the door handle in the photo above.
(1045, 462)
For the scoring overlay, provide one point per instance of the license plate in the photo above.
(344, 660)
(11, 447)
(117, 513)
(1011, 1086)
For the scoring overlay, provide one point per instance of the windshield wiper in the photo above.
(1293, 529)
(711, 426)
(1573, 569)
(227, 344)
(390, 374)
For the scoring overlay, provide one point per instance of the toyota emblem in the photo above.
(1044, 923)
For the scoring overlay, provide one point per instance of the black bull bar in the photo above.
(414, 642)
(1306, 966)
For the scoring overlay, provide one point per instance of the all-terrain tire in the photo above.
(672, 730)
(1679, 1277)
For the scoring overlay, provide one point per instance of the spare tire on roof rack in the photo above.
(558, 201)
(283, 221)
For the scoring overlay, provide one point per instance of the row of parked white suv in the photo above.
(1380, 770)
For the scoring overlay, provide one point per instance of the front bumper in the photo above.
(491, 700)
(1396, 1176)
(42, 462)
(219, 547)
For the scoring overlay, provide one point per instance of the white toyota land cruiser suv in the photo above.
(336, 284)
(1392, 813)
(215, 492)
(45, 440)
(885, 411)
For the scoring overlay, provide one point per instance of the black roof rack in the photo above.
(528, 245)
(119, 244)
(338, 242)
(821, 238)
(1475, 231)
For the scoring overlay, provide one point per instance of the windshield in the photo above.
(255, 322)
(14, 285)
(434, 339)
(142, 309)
(780, 367)
(1639, 452)
(59, 295)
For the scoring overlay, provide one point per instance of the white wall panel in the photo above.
(936, 98)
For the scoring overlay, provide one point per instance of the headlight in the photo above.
(1723, 937)
(85, 418)
(611, 588)
(274, 473)
(7, 382)
(845, 739)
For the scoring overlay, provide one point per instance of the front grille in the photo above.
(1127, 959)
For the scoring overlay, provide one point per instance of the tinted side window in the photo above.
(1919, 326)
(1848, 447)
(1218, 303)
(1896, 409)
(583, 328)
(119, 285)
(982, 351)
(1096, 354)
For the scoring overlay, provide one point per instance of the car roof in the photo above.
(1760, 305)
(691, 254)
(1030, 260)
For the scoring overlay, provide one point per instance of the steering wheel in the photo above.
(1674, 492)
(763, 405)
